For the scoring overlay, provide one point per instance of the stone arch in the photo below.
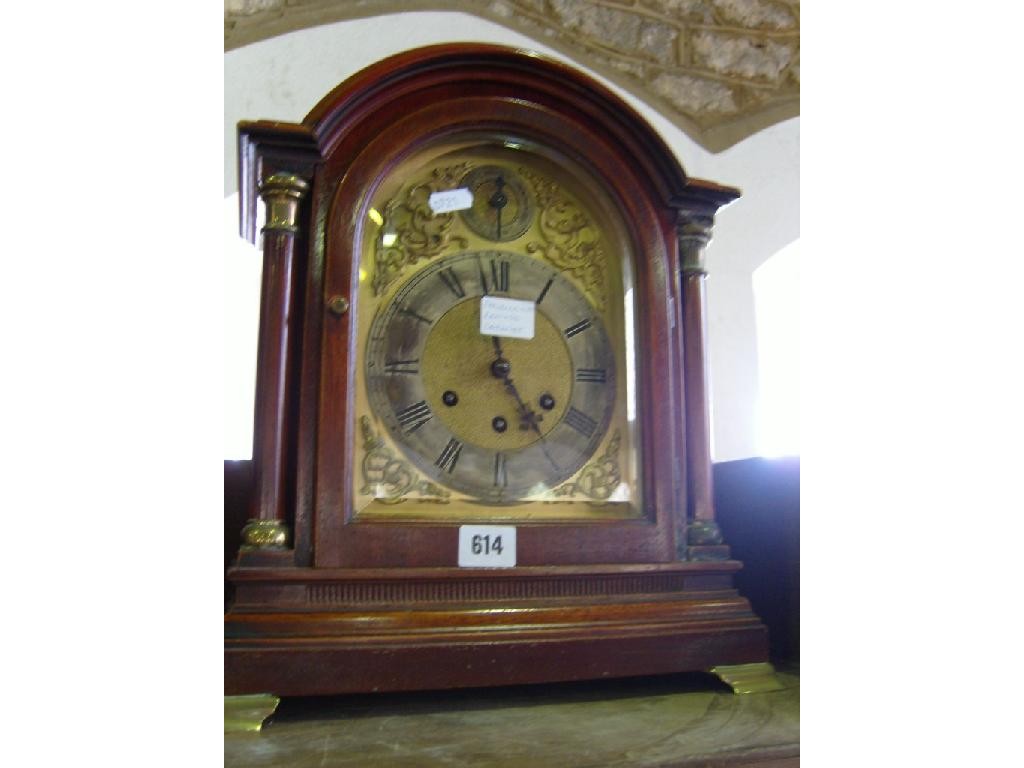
(720, 70)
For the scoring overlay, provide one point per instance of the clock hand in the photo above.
(526, 414)
(498, 201)
(529, 418)
(501, 369)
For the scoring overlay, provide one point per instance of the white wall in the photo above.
(283, 78)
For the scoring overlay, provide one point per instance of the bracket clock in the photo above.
(481, 450)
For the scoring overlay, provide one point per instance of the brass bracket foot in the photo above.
(247, 713)
(749, 678)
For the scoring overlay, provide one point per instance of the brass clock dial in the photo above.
(501, 209)
(496, 418)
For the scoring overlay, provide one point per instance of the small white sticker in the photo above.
(451, 200)
(507, 317)
(487, 546)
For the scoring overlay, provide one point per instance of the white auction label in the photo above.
(507, 317)
(487, 546)
(450, 200)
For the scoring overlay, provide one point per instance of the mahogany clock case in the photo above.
(349, 604)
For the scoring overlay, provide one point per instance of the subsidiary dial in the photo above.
(502, 210)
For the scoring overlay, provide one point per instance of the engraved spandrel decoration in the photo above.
(599, 479)
(412, 231)
(570, 239)
(390, 479)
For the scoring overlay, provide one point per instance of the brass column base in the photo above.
(247, 713)
(265, 534)
(749, 678)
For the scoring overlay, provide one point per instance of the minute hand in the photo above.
(528, 417)
(526, 413)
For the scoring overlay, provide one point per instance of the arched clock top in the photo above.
(447, 77)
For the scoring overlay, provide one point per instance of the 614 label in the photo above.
(487, 546)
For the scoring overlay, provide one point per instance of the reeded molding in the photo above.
(720, 70)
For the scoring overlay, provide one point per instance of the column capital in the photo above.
(282, 193)
(694, 232)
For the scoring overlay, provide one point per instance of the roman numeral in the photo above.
(591, 375)
(572, 330)
(413, 315)
(580, 422)
(483, 277)
(500, 473)
(451, 280)
(401, 366)
(499, 275)
(544, 292)
(450, 455)
(414, 416)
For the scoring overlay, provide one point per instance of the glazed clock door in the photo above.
(490, 338)
(494, 368)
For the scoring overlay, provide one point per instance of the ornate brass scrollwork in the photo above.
(412, 231)
(600, 478)
(392, 477)
(569, 237)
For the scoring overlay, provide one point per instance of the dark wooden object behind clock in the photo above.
(328, 601)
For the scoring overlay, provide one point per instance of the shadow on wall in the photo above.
(757, 505)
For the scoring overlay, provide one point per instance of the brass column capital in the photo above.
(282, 193)
(694, 232)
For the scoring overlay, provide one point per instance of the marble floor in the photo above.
(676, 720)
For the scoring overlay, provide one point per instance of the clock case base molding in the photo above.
(297, 632)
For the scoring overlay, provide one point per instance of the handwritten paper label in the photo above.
(507, 317)
(487, 546)
(451, 200)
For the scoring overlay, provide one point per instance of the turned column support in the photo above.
(694, 230)
(268, 528)
(694, 223)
